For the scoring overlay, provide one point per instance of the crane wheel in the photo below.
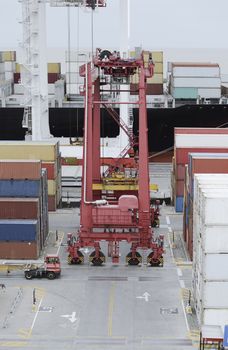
(133, 261)
(77, 260)
(97, 261)
(155, 262)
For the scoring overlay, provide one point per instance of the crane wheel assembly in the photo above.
(115, 205)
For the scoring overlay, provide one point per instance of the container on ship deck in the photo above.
(20, 188)
(19, 208)
(54, 68)
(20, 230)
(44, 151)
(53, 77)
(19, 250)
(16, 78)
(20, 169)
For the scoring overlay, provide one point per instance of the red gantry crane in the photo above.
(127, 215)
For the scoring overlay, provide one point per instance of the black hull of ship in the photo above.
(68, 122)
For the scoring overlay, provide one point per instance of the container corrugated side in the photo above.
(179, 201)
(52, 188)
(196, 72)
(20, 188)
(45, 151)
(51, 203)
(200, 82)
(19, 208)
(20, 169)
(156, 79)
(19, 230)
(19, 250)
(54, 68)
(51, 169)
(184, 92)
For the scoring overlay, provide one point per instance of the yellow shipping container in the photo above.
(18, 68)
(54, 68)
(156, 79)
(8, 56)
(157, 56)
(45, 151)
(52, 187)
(158, 68)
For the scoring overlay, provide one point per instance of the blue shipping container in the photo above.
(179, 204)
(20, 188)
(19, 230)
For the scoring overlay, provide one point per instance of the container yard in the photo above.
(113, 191)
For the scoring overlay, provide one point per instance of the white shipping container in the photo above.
(214, 295)
(214, 267)
(215, 239)
(196, 72)
(73, 89)
(19, 89)
(216, 189)
(74, 78)
(211, 181)
(214, 317)
(214, 209)
(201, 141)
(200, 82)
(210, 93)
(8, 75)
(51, 89)
(73, 67)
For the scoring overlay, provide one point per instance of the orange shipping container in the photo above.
(19, 250)
(20, 169)
(19, 208)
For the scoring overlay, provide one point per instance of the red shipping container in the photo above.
(181, 154)
(20, 169)
(180, 172)
(19, 250)
(16, 78)
(210, 165)
(53, 77)
(51, 169)
(19, 208)
(200, 131)
(51, 203)
(179, 188)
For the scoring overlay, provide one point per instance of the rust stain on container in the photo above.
(19, 208)
(20, 169)
(19, 250)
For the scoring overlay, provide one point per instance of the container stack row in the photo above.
(189, 140)
(54, 74)
(154, 84)
(199, 163)
(7, 65)
(49, 155)
(195, 81)
(23, 209)
(210, 248)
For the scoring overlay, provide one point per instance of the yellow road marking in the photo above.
(12, 344)
(25, 333)
(110, 309)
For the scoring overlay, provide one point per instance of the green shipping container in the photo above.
(185, 92)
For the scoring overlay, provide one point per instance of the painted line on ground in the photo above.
(170, 229)
(110, 309)
(60, 244)
(185, 316)
(167, 220)
(182, 284)
(179, 272)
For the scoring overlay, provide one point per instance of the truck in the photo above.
(50, 268)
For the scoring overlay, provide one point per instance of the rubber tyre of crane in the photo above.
(133, 261)
(97, 261)
(155, 262)
(51, 275)
(28, 275)
(79, 260)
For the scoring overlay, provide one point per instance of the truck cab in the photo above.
(50, 269)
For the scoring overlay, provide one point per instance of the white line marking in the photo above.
(163, 226)
(167, 220)
(185, 316)
(171, 251)
(179, 272)
(182, 284)
(60, 244)
(36, 314)
(170, 229)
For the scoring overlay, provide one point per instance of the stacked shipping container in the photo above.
(187, 140)
(54, 74)
(210, 249)
(195, 80)
(23, 209)
(154, 84)
(205, 163)
(48, 153)
(74, 59)
(7, 65)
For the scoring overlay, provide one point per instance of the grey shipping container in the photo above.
(19, 230)
(20, 188)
